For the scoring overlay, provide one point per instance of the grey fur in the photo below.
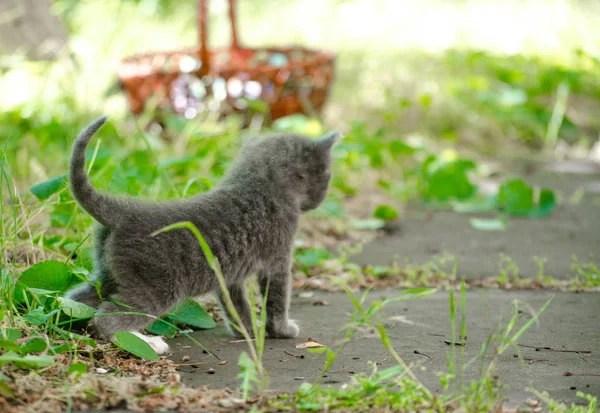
(249, 221)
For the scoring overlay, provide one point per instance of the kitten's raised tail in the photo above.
(102, 207)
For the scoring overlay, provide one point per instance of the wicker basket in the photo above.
(188, 82)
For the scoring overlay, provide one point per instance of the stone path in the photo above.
(572, 229)
(571, 322)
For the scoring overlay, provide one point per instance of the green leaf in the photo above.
(26, 361)
(400, 148)
(38, 316)
(516, 197)
(48, 188)
(385, 213)
(312, 256)
(11, 334)
(7, 345)
(191, 313)
(135, 345)
(47, 275)
(62, 348)
(488, 224)
(78, 368)
(159, 327)
(75, 309)
(547, 202)
(34, 345)
(447, 180)
(69, 335)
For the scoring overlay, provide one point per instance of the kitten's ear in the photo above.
(327, 141)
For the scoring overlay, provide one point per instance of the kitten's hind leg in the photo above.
(87, 293)
(278, 303)
(84, 293)
(239, 297)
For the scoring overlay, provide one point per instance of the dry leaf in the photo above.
(309, 344)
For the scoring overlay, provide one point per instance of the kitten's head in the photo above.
(295, 162)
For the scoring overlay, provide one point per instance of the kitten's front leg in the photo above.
(278, 304)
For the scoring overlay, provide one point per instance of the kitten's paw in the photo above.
(157, 343)
(291, 330)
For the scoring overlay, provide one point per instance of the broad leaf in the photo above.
(516, 197)
(7, 345)
(400, 148)
(62, 348)
(34, 345)
(46, 275)
(312, 256)
(547, 202)
(10, 334)
(50, 187)
(38, 316)
(445, 180)
(162, 329)
(385, 213)
(78, 368)
(191, 313)
(75, 309)
(135, 345)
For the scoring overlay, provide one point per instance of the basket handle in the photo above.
(202, 23)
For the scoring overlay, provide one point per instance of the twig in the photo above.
(455, 343)
(568, 373)
(538, 348)
(190, 364)
(423, 354)
(301, 356)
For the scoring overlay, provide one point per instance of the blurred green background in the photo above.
(416, 82)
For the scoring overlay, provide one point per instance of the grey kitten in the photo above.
(249, 221)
